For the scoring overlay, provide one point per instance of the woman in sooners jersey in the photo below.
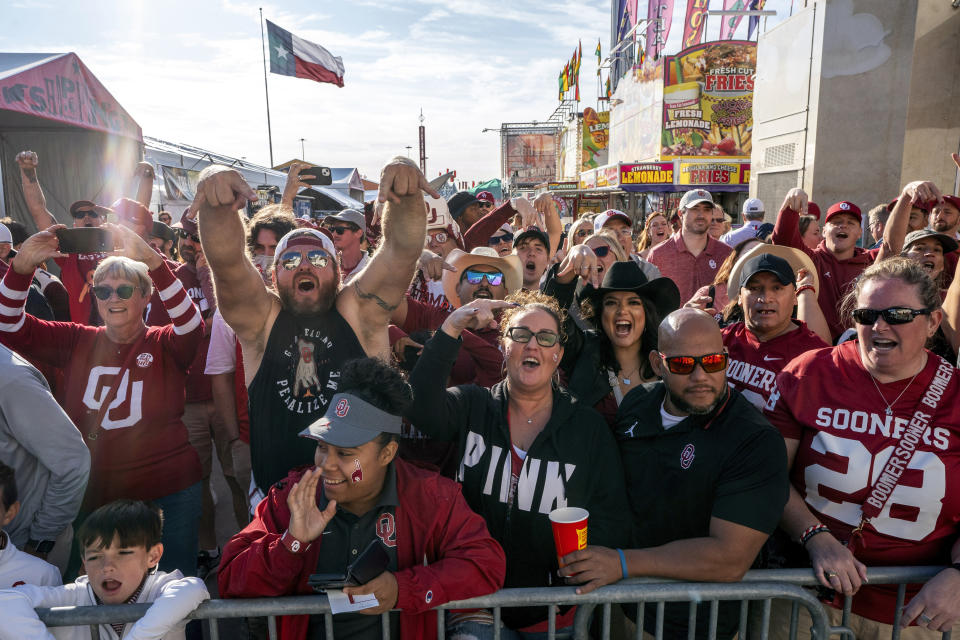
(873, 438)
(123, 382)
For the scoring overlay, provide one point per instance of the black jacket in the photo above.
(573, 462)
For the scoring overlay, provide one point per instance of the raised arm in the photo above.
(951, 314)
(371, 297)
(32, 193)
(294, 183)
(547, 207)
(896, 228)
(143, 177)
(808, 308)
(480, 231)
(786, 231)
(241, 296)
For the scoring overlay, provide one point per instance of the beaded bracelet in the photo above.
(811, 531)
(623, 562)
(805, 287)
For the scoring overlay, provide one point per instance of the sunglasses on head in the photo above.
(185, 234)
(290, 260)
(523, 335)
(892, 315)
(601, 251)
(340, 230)
(439, 237)
(103, 291)
(684, 365)
(507, 237)
(83, 213)
(476, 277)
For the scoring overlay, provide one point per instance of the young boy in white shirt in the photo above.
(17, 567)
(121, 548)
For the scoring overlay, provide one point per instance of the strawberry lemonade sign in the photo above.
(708, 101)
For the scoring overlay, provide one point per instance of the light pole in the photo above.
(408, 150)
(303, 154)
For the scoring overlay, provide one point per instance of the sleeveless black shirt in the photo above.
(298, 376)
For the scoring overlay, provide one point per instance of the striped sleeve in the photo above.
(13, 299)
(183, 312)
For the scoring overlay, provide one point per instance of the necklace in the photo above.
(889, 409)
(531, 417)
(625, 379)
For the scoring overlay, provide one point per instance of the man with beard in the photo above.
(294, 340)
(946, 219)
(679, 436)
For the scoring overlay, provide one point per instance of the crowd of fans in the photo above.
(416, 387)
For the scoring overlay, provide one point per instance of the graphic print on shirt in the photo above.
(126, 409)
(387, 529)
(550, 476)
(310, 360)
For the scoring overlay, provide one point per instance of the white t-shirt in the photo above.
(222, 352)
(17, 567)
(669, 420)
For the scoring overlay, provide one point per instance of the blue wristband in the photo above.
(623, 562)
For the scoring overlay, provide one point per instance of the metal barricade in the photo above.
(761, 587)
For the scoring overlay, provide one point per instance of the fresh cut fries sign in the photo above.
(708, 101)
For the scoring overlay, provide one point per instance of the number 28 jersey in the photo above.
(826, 399)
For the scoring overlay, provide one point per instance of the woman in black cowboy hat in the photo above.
(602, 364)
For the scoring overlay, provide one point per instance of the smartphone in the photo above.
(321, 176)
(368, 565)
(85, 240)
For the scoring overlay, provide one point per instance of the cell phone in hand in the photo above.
(85, 240)
(320, 176)
(368, 565)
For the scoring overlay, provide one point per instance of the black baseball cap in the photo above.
(351, 421)
(768, 263)
(532, 231)
(460, 201)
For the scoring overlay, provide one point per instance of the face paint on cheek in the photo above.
(357, 474)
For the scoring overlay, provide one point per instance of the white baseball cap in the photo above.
(695, 196)
(753, 205)
(608, 215)
(5, 235)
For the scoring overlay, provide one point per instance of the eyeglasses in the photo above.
(718, 220)
(186, 234)
(601, 251)
(83, 213)
(103, 291)
(494, 278)
(893, 315)
(341, 230)
(684, 365)
(292, 259)
(507, 237)
(523, 335)
(582, 233)
(439, 237)
(486, 205)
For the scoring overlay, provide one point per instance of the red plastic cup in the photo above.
(569, 530)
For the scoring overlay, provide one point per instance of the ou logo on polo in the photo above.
(127, 394)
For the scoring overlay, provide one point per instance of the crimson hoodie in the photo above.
(434, 525)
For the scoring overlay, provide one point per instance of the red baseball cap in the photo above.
(923, 206)
(813, 209)
(844, 207)
(954, 200)
(485, 196)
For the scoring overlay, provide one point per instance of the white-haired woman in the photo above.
(123, 382)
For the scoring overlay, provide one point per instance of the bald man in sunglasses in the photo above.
(706, 476)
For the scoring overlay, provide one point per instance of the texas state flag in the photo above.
(293, 56)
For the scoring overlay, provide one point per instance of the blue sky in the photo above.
(192, 72)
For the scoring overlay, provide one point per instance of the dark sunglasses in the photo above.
(718, 220)
(684, 365)
(292, 259)
(893, 315)
(507, 237)
(476, 277)
(342, 230)
(523, 335)
(83, 213)
(184, 234)
(583, 233)
(602, 251)
(103, 291)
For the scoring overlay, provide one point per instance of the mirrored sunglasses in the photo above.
(476, 277)
(892, 315)
(290, 260)
(684, 365)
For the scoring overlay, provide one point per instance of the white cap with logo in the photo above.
(694, 197)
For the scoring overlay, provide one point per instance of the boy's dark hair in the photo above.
(8, 486)
(379, 384)
(132, 523)
(276, 218)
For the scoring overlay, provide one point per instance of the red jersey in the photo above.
(754, 365)
(126, 399)
(76, 272)
(827, 401)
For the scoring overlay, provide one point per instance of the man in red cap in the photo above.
(838, 258)
(486, 201)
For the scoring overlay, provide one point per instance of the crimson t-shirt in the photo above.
(754, 365)
(827, 401)
(76, 273)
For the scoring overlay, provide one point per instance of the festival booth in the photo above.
(684, 122)
(87, 143)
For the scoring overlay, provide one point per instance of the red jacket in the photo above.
(434, 525)
(836, 275)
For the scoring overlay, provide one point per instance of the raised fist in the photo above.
(27, 160)
(221, 186)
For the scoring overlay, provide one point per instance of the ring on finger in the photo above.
(830, 574)
(925, 619)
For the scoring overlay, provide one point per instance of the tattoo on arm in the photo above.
(31, 175)
(372, 296)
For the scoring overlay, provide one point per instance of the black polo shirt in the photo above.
(345, 538)
(730, 464)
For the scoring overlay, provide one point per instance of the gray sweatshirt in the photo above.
(48, 455)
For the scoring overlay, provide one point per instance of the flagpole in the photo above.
(266, 89)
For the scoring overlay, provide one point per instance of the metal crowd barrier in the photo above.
(760, 587)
